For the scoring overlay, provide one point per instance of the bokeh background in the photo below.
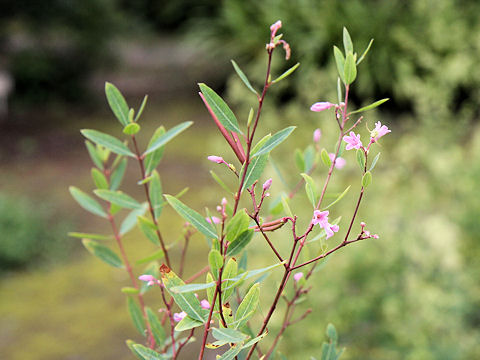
(412, 294)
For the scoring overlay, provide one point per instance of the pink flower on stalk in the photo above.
(274, 28)
(205, 304)
(215, 220)
(217, 159)
(317, 134)
(179, 316)
(267, 184)
(339, 163)
(298, 276)
(330, 230)
(148, 278)
(379, 131)
(320, 106)
(321, 218)
(353, 141)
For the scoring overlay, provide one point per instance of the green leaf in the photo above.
(210, 289)
(227, 335)
(99, 179)
(220, 108)
(339, 91)
(244, 78)
(155, 191)
(89, 236)
(365, 52)
(237, 225)
(286, 207)
(338, 198)
(149, 354)
(186, 301)
(229, 271)
(361, 159)
(350, 69)
(231, 353)
(117, 175)
(220, 182)
(103, 253)
(215, 260)
(92, 151)
(110, 142)
(332, 332)
(347, 41)
(310, 189)
(130, 344)
(255, 340)
(340, 61)
(242, 240)
(156, 326)
(254, 170)
(193, 217)
(326, 158)
(286, 73)
(155, 256)
(117, 103)
(145, 226)
(118, 198)
(187, 323)
(142, 107)
(309, 158)
(130, 290)
(153, 159)
(367, 179)
(374, 162)
(299, 160)
(87, 202)
(248, 306)
(131, 219)
(371, 106)
(274, 141)
(169, 135)
(131, 129)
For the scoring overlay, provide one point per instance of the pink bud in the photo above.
(205, 304)
(298, 276)
(375, 236)
(146, 278)
(224, 202)
(215, 220)
(267, 184)
(320, 106)
(362, 224)
(274, 28)
(317, 134)
(217, 159)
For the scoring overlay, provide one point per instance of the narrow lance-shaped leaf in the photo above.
(326, 158)
(350, 69)
(374, 162)
(117, 103)
(286, 73)
(340, 61)
(153, 159)
(254, 170)
(242, 240)
(108, 141)
(131, 219)
(347, 41)
(231, 353)
(227, 335)
(367, 179)
(339, 91)
(169, 135)
(340, 197)
(136, 315)
(193, 217)
(371, 106)
(117, 175)
(156, 194)
(92, 151)
(215, 260)
(142, 107)
(103, 253)
(149, 354)
(99, 179)
(87, 202)
(148, 229)
(361, 159)
(186, 301)
(154, 256)
(243, 77)
(365, 52)
(237, 225)
(274, 141)
(220, 182)
(156, 326)
(310, 189)
(220, 108)
(89, 236)
(229, 271)
(118, 198)
(188, 323)
(130, 344)
(248, 306)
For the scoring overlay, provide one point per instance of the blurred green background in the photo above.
(412, 294)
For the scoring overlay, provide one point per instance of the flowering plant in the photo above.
(223, 309)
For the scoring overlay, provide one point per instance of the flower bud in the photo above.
(320, 106)
(267, 184)
(317, 134)
(217, 159)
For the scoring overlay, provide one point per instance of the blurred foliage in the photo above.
(423, 57)
(29, 234)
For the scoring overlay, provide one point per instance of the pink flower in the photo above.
(379, 131)
(317, 134)
(205, 304)
(353, 141)
(274, 28)
(298, 276)
(217, 159)
(267, 184)
(330, 230)
(215, 220)
(149, 278)
(320, 217)
(339, 163)
(320, 106)
(179, 316)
